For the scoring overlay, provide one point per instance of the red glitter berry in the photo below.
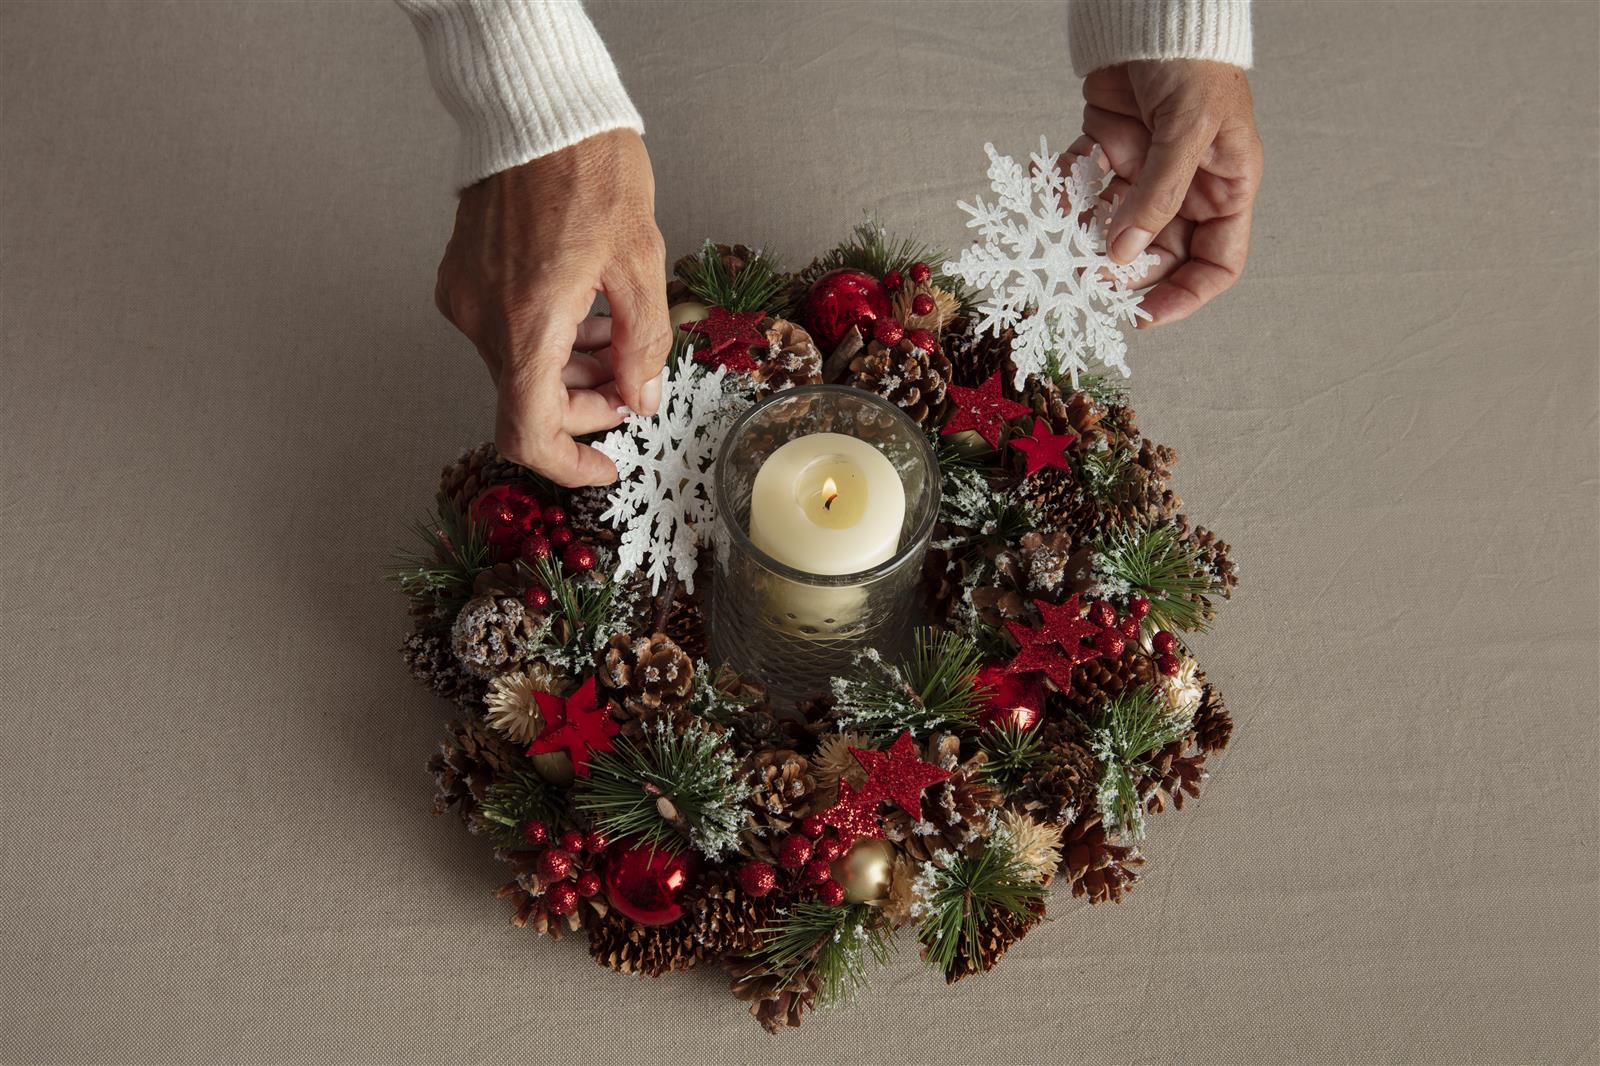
(818, 871)
(535, 548)
(536, 597)
(595, 843)
(1138, 607)
(560, 537)
(919, 272)
(892, 281)
(1102, 614)
(1129, 627)
(555, 516)
(812, 825)
(757, 879)
(1110, 643)
(571, 841)
(828, 849)
(588, 884)
(923, 304)
(921, 338)
(536, 833)
(1167, 663)
(578, 557)
(888, 332)
(554, 865)
(794, 851)
(1164, 642)
(831, 892)
(561, 898)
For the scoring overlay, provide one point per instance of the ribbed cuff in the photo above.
(521, 79)
(1104, 32)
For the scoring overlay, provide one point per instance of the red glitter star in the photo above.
(1044, 448)
(898, 774)
(1056, 645)
(855, 815)
(730, 335)
(576, 725)
(982, 409)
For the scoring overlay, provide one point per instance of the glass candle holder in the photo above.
(793, 630)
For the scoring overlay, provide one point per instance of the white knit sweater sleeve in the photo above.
(521, 79)
(1103, 32)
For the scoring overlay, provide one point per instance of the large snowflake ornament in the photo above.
(663, 504)
(1046, 268)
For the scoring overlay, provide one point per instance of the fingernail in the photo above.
(1129, 243)
(650, 395)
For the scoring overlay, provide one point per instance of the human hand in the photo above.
(1181, 135)
(531, 248)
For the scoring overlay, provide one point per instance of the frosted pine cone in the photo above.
(1097, 681)
(1064, 782)
(430, 660)
(465, 766)
(1096, 865)
(647, 675)
(792, 359)
(906, 376)
(975, 357)
(997, 930)
(955, 812)
(492, 634)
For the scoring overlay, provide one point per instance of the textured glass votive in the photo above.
(793, 630)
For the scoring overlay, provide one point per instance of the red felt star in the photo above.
(1044, 448)
(729, 336)
(855, 815)
(982, 409)
(898, 774)
(576, 725)
(1056, 645)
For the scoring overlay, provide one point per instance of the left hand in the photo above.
(1181, 135)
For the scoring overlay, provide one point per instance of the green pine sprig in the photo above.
(756, 287)
(831, 946)
(1130, 728)
(517, 799)
(668, 788)
(456, 551)
(960, 894)
(1157, 563)
(936, 689)
(1015, 754)
(1103, 470)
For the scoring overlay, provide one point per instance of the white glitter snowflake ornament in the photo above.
(663, 504)
(1042, 257)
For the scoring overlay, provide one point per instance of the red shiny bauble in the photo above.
(922, 304)
(579, 557)
(1102, 614)
(1110, 643)
(1164, 642)
(920, 273)
(1168, 664)
(588, 884)
(839, 300)
(554, 865)
(644, 882)
(536, 833)
(757, 879)
(1013, 699)
(536, 597)
(831, 892)
(561, 898)
(921, 338)
(508, 513)
(794, 851)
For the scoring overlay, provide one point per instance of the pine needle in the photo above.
(960, 894)
(1131, 726)
(440, 578)
(936, 689)
(830, 945)
(1156, 563)
(755, 287)
(1014, 754)
(517, 799)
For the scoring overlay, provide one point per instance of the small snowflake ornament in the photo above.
(1045, 265)
(663, 505)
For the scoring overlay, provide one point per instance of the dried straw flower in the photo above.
(512, 709)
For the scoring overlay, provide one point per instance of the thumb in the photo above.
(641, 334)
(1177, 146)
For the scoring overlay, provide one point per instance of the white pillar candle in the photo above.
(826, 504)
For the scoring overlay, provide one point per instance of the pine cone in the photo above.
(783, 785)
(906, 376)
(686, 621)
(1062, 506)
(464, 767)
(1213, 725)
(430, 660)
(1099, 680)
(492, 634)
(584, 508)
(1052, 569)
(646, 675)
(1067, 776)
(974, 357)
(791, 359)
(1214, 554)
(648, 950)
(526, 895)
(998, 929)
(1097, 867)
(1171, 774)
(776, 1001)
(1145, 498)
(944, 573)
(955, 812)
(476, 470)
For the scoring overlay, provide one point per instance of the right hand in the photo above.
(531, 248)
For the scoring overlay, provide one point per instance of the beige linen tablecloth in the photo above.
(226, 392)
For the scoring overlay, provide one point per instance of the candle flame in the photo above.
(830, 492)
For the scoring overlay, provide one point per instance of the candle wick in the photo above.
(830, 492)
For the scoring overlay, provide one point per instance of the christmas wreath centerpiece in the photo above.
(672, 808)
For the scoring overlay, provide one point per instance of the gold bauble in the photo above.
(864, 870)
(687, 311)
(555, 767)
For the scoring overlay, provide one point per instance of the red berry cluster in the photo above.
(1115, 633)
(888, 331)
(519, 526)
(564, 867)
(808, 856)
